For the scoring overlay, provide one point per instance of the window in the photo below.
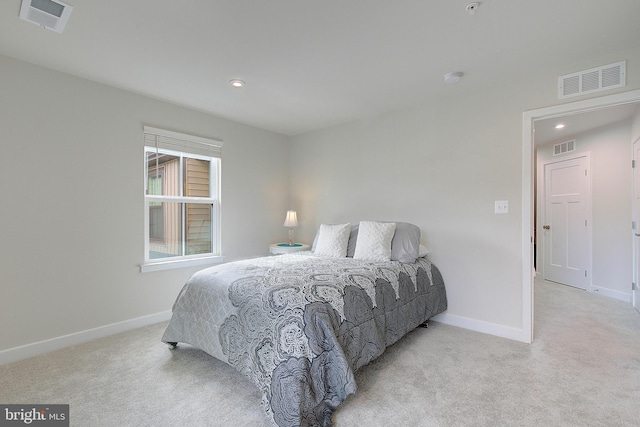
(182, 199)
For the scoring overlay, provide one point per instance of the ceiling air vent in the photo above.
(51, 14)
(564, 147)
(593, 80)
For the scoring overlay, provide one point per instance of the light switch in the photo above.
(502, 206)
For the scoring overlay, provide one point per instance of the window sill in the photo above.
(182, 263)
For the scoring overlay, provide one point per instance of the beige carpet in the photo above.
(582, 370)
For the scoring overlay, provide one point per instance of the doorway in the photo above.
(528, 187)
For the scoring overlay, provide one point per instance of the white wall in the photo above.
(441, 165)
(71, 201)
(611, 181)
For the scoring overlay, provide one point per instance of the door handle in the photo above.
(546, 227)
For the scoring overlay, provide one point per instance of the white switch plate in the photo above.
(502, 206)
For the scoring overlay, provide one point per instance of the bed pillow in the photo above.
(405, 246)
(353, 238)
(332, 240)
(374, 240)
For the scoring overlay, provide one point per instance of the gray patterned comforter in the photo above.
(299, 326)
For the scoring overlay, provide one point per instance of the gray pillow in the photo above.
(353, 237)
(405, 245)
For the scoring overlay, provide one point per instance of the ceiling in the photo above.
(310, 65)
(575, 124)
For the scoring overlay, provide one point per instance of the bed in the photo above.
(299, 325)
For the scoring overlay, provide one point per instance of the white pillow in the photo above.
(333, 240)
(374, 240)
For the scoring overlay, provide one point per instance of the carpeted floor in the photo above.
(582, 370)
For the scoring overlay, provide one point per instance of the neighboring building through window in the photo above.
(182, 196)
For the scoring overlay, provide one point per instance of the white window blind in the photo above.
(168, 140)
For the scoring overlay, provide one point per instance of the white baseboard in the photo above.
(41, 347)
(611, 293)
(480, 326)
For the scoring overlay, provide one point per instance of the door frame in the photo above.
(635, 292)
(541, 214)
(528, 165)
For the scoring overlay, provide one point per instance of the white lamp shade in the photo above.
(291, 220)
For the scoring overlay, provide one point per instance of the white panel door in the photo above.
(636, 219)
(566, 226)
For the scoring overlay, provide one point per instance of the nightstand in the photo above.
(284, 248)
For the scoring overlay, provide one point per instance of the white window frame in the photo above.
(183, 145)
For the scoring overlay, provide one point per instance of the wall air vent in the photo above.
(593, 80)
(50, 14)
(564, 147)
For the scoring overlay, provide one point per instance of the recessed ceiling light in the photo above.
(236, 83)
(451, 78)
(560, 126)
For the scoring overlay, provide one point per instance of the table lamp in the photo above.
(291, 221)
